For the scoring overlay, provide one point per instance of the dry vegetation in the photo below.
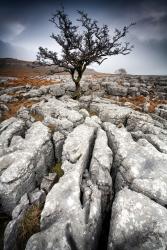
(58, 170)
(15, 106)
(30, 224)
(33, 81)
(139, 101)
(37, 117)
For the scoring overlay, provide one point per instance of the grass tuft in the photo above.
(31, 221)
(57, 169)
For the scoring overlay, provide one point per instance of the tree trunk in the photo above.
(78, 90)
(77, 83)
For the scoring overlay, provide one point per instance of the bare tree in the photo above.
(121, 71)
(82, 45)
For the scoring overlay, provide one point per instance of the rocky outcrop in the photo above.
(60, 115)
(137, 222)
(139, 165)
(26, 165)
(72, 215)
(95, 169)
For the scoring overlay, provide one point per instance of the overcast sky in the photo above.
(24, 26)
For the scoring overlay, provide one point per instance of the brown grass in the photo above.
(139, 102)
(15, 106)
(29, 225)
(52, 128)
(92, 113)
(33, 81)
(37, 117)
(58, 170)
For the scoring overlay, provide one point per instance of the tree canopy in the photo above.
(83, 44)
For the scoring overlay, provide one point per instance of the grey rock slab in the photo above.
(93, 121)
(63, 224)
(58, 139)
(57, 90)
(75, 143)
(59, 110)
(143, 122)
(100, 167)
(153, 139)
(69, 102)
(33, 93)
(6, 98)
(109, 112)
(85, 101)
(23, 169)
(116, 89)
(37, 197)
(48, 181)
(137, 223)
(23, 204)
(84, 112)
(140, 164)
(10, 128)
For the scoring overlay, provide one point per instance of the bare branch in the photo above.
(82, 45)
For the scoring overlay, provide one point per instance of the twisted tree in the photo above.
(82, 45)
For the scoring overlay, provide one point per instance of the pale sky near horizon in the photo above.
(24, 26)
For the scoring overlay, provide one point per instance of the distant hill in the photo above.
(13, 51)
(17, 68)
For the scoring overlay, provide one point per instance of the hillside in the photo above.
(18, 68)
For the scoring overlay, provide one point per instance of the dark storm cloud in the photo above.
(25, 24)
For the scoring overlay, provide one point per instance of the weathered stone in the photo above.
(100, 168)
(37, 197)
(140, 164)
(6, 98)
(33, 93)
(84, 112)
(85, 101)
(63, 218)
(24, 114)
(58, 139)
(8, 129)
(57, 90)
(109, 112)
(133, 91)
(56, 110)
(116, 90)
(93, 121)
(48, 182)
(23, 169)
(137, 223)
(143, 122)
(23, 204)
(161, 110)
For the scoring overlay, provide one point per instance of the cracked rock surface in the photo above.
(94, 169)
